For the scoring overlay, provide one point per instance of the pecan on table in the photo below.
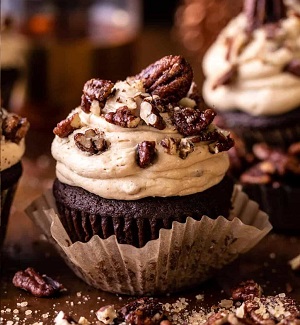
(246, 290)
(123, 117)
(95, 89)
(38, 285)
(67, 126)
(169, 78)
(146, 153)
(14, 127)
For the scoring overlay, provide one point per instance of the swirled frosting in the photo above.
(115, 174)
(11, 152)
(261, 86)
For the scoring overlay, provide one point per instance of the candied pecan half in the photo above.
(95, 89)
(123, 117)
(246, 290)
(14, 127)
(169, 78)
(146, 153)
(91, 141)
(189, 121)
(67, 126)
(148, 311)
(38, 285)
(293, 67)
(262, 12)
(150, 114)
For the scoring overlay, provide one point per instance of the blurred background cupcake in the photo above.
(13, 131)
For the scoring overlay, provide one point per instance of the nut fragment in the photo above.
(146, 153)
(14, 127)
(293, 67)
(107, 314)
(170, 145)
(150, 114)
(95, 89)
(189, 121)
(145, 310)
(246, 290)
(67, 126)
(169, 78)
(123, 117)
(38, 285)
(185, 148)
(91, 141)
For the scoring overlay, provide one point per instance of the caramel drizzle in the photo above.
(263, 12)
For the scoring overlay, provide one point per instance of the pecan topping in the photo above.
(14, 127)
(293, 67)
(148, 311)
(67, 126)
(170, 145)
(150, 114)
(169, 78)
(146, 153)
(224, 143)
(227, 78)
(262, 12)
(246, 290)
(189, 121)
(123, 117)
(182, 147)
(95, 89)
(36, 284)
(185, 148)
(91, 141)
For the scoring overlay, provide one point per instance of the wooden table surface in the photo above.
(25, 246)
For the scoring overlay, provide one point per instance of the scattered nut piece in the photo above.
(295, 263)
(91, 141)
(146, 153)
(169, 78)
(246, 290)
(64, 319)
(38, 285)
(150, 114)
(107, 314)
(123, 117)
(14, 127)
(67, 126)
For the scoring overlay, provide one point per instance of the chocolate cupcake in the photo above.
(13, 131)
(138, 155)
(253, 76)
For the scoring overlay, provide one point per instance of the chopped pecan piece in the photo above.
(293, 67)
(189, 121)
(95, 89)
(36, 284)
(14, 127)
(150, 114)
(246, 290)
(67, 126)
(107, 314)
(227, 78)
(169, 78)
(262, 12)
(170, 145)
(222, 144)
(123, 117)
(148, 311)
(185, 148)
(146, 153)
(91, 141)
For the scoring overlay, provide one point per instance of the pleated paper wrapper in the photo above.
(181, 257)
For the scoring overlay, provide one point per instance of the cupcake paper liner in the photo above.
(279, 203)
(183, 256)
(7, 196)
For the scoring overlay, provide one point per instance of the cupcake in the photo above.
(253, 73)
(139, 154)
(141, 192)
(13, 131)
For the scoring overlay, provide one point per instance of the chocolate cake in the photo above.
(135, 222)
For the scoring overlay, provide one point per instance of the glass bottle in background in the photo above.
(78, 40)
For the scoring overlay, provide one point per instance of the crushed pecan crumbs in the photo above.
(67, 126)
(38, 285)
(14, 127)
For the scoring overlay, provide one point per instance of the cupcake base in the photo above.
(135, 222)
(281, 130)
(9, 182)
